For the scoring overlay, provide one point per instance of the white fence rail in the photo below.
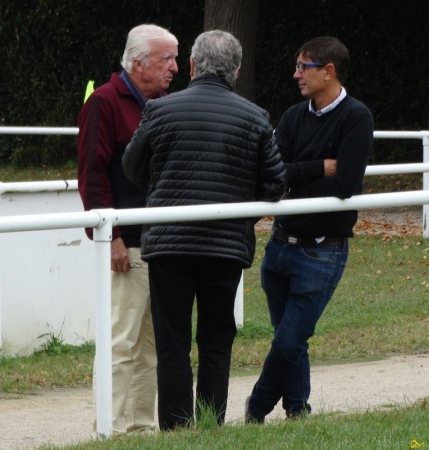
(423, 135)
(103, 220)
(55, 299)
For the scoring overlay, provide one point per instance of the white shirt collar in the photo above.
(330, 107)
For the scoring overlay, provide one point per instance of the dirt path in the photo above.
(64, 416)
(405, 221)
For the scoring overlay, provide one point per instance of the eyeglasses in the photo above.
(300, 67)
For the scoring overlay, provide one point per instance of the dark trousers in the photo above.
(299, 282)
(174, 283)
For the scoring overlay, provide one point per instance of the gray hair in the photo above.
(217, 53)
(138, 44)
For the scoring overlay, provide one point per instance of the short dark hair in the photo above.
(325, 50)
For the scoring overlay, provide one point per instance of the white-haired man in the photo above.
(203, 145)
(106, 124)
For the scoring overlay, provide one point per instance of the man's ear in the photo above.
(137, 66)
(330, 71)
(192, 64)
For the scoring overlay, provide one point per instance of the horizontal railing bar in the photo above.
(69, 185)
(392, 169)
(401, 134)
(39, 130)
(38, 186)
(74, 130)
(209, 212)
(33, 222)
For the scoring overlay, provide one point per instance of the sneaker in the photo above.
(248, 418)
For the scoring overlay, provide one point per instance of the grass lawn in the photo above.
(398, 429)
(381, 307)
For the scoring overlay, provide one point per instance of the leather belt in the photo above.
(277, 233)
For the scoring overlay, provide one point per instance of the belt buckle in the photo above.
(292, 240)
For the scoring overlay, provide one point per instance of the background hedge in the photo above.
(50, 49)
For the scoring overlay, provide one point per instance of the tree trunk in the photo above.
(240, 18)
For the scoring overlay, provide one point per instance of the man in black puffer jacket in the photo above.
(204, 145)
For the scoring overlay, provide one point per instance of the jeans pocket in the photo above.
(321, 255)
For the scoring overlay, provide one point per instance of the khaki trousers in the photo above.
(133, 350)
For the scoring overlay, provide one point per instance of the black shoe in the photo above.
(297, 415)
(248, 418)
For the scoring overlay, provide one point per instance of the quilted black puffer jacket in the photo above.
(204, 145)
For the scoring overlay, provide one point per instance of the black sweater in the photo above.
(305, 141)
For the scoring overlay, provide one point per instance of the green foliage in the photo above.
(388, 46)
(56, 345)
(50, 49)
(71, 368)
(396, 429)
(381, 307)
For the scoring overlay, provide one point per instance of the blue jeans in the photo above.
(298, 282)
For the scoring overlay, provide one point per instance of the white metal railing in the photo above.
(74, 130)
(37, 186)
(39, 130)
(103, 220)
(423, 135)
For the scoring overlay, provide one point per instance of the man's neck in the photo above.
(326, 98)
(148, 94)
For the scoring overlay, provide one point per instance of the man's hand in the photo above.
(330, 167)
(119, 256)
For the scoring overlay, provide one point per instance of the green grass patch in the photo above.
(381, 307)
(11, 173)
(71, 367)
(396, 429)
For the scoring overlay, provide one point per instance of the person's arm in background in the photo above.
(271, 184)
(136, 159)
(95, 149)
(301, 172)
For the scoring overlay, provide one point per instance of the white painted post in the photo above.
(425, 186)
(238, 305)
(1, 317)
(103, 328)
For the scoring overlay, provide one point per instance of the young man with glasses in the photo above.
(325, 143)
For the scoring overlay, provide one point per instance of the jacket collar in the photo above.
(212, 80)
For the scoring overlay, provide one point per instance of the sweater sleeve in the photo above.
(352, 158)
(272, 173)
(95, 150)
(299, 172)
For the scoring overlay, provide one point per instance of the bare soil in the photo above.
(64, 416)
(405, 221)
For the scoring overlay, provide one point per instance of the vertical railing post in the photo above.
(425, 186)
(103, 327)
(238, 305)
(1, 317)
